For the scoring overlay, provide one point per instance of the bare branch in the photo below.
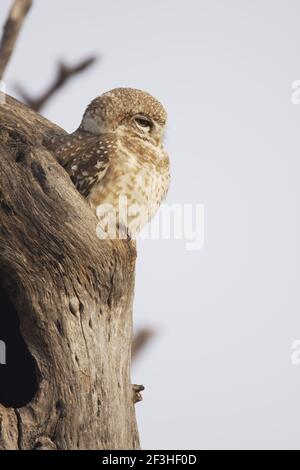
(64, 74)
(140, 340)
(11, 31)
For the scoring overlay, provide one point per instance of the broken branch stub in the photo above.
(70, 297)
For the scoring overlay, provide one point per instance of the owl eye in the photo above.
(144, 122)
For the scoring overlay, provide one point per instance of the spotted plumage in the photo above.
(117, 152)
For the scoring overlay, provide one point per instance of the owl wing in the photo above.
(89, 163)
(85, 157)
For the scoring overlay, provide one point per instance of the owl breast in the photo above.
(133, 189)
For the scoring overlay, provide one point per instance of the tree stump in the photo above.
(65, 304)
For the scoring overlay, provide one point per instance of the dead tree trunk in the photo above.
(65, 305)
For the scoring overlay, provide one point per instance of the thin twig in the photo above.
(64, 74)
(140, 340)
(11, 31)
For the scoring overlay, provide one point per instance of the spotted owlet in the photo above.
(116, 157)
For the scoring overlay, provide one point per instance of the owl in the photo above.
(117, 160)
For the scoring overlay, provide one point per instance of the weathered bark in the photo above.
(72, 294)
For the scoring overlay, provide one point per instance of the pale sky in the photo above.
(219, 373)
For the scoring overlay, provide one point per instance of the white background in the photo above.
(219, 372)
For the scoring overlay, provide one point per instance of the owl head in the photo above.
(129, 109)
